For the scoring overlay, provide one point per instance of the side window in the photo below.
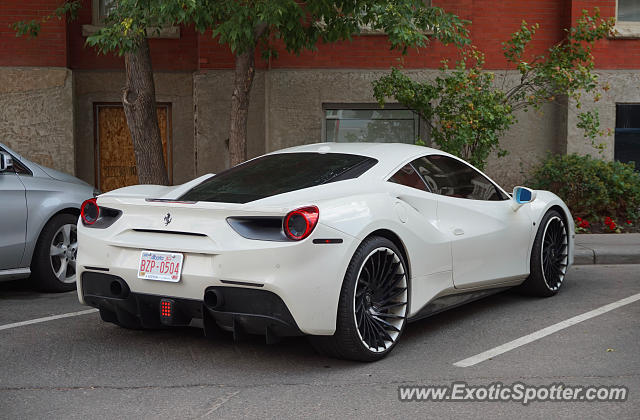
(407, 176)
(450, 177)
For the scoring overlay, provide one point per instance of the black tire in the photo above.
(44, 263)
(380, 304)
(549, 256)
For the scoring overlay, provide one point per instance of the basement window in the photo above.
(349, 123)
(627, 136)
(627, 19)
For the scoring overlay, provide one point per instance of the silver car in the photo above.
(39, 209)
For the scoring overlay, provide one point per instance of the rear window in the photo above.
(277, 174)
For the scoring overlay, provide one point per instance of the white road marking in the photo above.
(46, 318)
(474, 360)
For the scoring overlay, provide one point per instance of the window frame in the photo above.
(626, 29)
(410, 163)
(621, 130)
(505, 196)
(365, 106)
(359, 165)
(165, 32)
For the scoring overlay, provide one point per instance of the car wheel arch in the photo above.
(566, 219)
(31, 243)
(397, 241)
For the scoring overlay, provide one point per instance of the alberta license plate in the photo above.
(162, 266)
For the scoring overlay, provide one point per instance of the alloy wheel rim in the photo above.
(554, 253)
(380, 300)
(63, 252)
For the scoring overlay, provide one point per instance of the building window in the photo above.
(628, 11)
(627, 140)
(104, 8)
(627, 19)
(100, 10)
(368, 123)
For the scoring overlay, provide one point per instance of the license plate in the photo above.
(162, 266)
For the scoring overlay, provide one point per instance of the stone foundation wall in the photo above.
(36, 115)
(286, 110)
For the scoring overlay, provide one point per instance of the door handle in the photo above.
(458, 231)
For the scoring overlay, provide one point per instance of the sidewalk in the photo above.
(623, 248)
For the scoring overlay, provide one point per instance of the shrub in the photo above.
(592, 188)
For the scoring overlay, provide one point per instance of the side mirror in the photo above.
(521, 196)
(6, 162)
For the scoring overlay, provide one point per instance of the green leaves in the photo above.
(32, 27)
(465, 113)
(468, 112)
(591, 187)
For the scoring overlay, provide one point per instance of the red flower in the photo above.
(579, 219)
(584, 224)
(629, 222)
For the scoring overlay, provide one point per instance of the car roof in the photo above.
(390, 156)
(380, 151)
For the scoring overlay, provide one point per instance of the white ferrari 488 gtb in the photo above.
(343, 242)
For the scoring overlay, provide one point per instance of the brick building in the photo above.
(59, 101)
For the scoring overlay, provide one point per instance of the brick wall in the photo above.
(493, 22)
(610, 54)
(48, 49)
(61, 43)
(166, 54)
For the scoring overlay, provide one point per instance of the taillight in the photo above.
(299, 223)
(89, 212)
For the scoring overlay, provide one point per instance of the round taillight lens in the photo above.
(299, 223)
(89, 212)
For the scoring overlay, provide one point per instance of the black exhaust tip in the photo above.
(213, 298)
(116, 288)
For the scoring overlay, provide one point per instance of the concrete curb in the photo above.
(607, 249)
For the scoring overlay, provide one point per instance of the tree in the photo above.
(247, 27)
(125, 33)
(260, 25)
(468, 110)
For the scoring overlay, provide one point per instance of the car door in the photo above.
(489, 240)
(434, 245)
(13, 220)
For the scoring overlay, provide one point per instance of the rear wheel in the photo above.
(549, 257)
(54, 259)
(372, 311)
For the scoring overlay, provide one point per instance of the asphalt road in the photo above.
(80, 367)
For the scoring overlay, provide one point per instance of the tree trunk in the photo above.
(244, 73)
(139, 100)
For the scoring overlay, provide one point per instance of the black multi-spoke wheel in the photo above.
(549, 256)
(554, 253)
(374, 300)
(380, 299)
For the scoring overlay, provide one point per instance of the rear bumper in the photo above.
(306, 276)
(239, 310)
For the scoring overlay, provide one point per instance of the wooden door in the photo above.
(115, 161)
